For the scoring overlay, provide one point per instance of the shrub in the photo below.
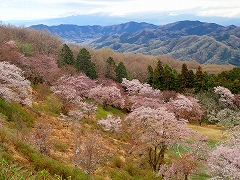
(25, 48)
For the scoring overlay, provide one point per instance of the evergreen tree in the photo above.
(170, 78)
(158, 76)
(111, 67)
(121, 72)
(149, 78)
(66, 56)
(84, 64)
(91, 71)
(200, 84)
(187, 78)
(191, 79)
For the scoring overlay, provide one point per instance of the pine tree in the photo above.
(149, 78)
(66, 56)
(111, 67)
(170, 78)
(84, 64)
(187, 78)
(200, 84)
(121, 72)
(158, 76)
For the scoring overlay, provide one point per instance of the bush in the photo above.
(26, 49)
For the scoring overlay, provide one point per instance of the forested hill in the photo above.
(207, 43)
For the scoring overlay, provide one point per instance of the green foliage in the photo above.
(102, 113)
(12, 171)
(16, 113)
(166, 78)
(66, 56)
(25, 48)
(84, 64)
(200, 84)
(132, 172)
(170, 79)
(149, 78)
(163, 78)
(121, 72)
(120, 175)
(158, 76)
(187, 78)
(110, 69)
(16, 172)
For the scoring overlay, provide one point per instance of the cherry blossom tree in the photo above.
(186, 108)
(225, 117)
(134, 87)
(107, 95)
(40, 68)
(137, 101)
(226, 97)
(153, 131)
(180, 168)
(13, 85)
(91, 152)
(71, 87)
(111, 123)
(224, 161)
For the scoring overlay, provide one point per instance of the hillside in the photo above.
(207, 43)
(58, 123)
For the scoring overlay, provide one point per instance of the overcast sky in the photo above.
(44, 9)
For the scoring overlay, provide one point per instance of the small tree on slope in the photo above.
(13, 85)
(154, 131)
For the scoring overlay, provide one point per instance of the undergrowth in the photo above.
(16, 113)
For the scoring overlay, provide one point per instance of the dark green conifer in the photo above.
(149, 78)
(66, 56)
(110, 69)
(158, 76)
(121, 72)
(84, 64)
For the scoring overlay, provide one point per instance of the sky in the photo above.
(11, 10)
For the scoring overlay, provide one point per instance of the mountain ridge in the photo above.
(184, 40)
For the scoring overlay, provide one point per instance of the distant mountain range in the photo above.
(185, 40)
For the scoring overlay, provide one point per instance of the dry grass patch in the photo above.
(213, 132)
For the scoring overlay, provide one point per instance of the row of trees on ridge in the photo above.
(84, 64)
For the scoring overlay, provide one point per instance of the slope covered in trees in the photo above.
(82, 127)
(207, 43)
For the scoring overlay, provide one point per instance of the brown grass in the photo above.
(213, 132)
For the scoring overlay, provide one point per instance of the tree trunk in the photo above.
(156, 156)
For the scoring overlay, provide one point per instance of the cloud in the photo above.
(42, 9)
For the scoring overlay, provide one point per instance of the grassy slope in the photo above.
(213, 132)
